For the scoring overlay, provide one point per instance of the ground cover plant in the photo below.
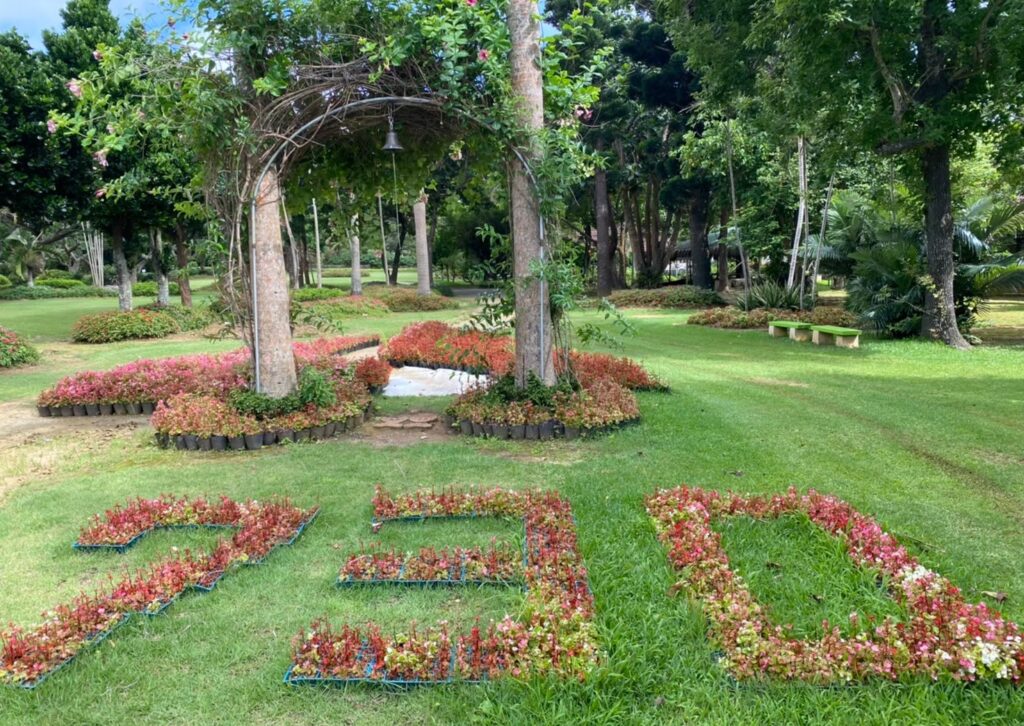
(553, 635)
(673, 296)
(14, 351)
(43, 292)
(941, 635)
(116, 326)
(733, 317)
(30, 656)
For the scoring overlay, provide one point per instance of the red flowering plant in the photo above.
(553, 633)
(374, 373)
(29, 656)
(460, 566)
(942, 636)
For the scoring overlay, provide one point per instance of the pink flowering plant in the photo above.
(28, 656)
(942, 636)
(553, 634)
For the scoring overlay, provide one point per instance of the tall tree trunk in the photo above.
(700, 257)
(419, 213)
(534, 353)
(383, 239)
(801, 213)
(163, 291)
(402, 232)
(296, 269)
(181, 258)
(939, 320)
(316, 239)
(744, 262)
(357, 262)
(275, 359)
(602, 220)
(722, 283)
(124, 281)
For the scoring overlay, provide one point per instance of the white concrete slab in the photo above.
(414, 381)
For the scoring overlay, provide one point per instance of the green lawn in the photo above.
(926, 439)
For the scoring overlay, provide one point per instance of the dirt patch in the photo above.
(21, 424)
(776, 382)
(404, 429)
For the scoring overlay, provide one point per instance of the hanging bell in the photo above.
(391, 142)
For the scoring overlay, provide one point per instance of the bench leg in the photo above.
(800, 335)
(848, 341)
(776, 332)
(821, 338)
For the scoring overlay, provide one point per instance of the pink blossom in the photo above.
(51, 126)
(471, 3)
(74, 87)
(100, 193)
(97, 55)
(101, 158)
(484, 54)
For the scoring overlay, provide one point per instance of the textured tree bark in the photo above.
(602, 220)
(276, 360)
(181, 258)
(533, 311)
(296, 270)
(939, 320)
(124, 280)
(722, 283)
(801, 214)
(163, 292)
(357, 264)
(700, 255)
(419, 213)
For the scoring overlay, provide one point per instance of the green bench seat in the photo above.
(834, 335)
(793, 329)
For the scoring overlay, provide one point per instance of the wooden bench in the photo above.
(794, 329)
(832, 335)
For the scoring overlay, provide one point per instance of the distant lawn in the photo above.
(924, 438)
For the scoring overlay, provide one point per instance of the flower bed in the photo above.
(132, 325)
(14, 351)
(495, 565)
(29, 656)
(732, 317)
(136, 387)
(433, 344)
(942, 636)
(554, 634)
(600, 406)
(672, 296)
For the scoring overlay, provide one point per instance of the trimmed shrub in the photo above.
(24, 292)
(57, 275)
(5, 281)
(14, 351)
(373, 372)
(735, 318)
(59, 282)
(114, 326)
(675, 296)
(309, 294)
(406, 300)
(148, 289)
(194, 318)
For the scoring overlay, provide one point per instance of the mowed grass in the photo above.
(924, 438)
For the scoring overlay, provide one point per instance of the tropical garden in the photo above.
(376, 362)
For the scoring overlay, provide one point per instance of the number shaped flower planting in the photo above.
(554, 633)
(29, 656)
(941, 636)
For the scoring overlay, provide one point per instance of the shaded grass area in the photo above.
(802, 574)
(924, 438)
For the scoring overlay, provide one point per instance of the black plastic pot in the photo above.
(269, 437)
(134, 408)
(92, 409)
(79, 409)
(518, 432)
(162, 440)
(106, 409)
(191, 442)
(179, 442)
(67, 410)
(218, 443)
(302, 435)
(478, 430)
(531, 432)
(466, 427)
(547, 430)
(148, 407)
(329, 429)
(318, 432)
(285, 435)
(120, 409)
(253, 441)
(236, 443)
(43, 411)
(204, 443)
(501, 431)
(571, 433)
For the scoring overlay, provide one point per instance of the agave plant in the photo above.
(770, 294)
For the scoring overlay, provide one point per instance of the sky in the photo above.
(31, 17)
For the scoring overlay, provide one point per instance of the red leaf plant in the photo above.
(469, 565)
(554, 633)
(942, 636)
(30, 655)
